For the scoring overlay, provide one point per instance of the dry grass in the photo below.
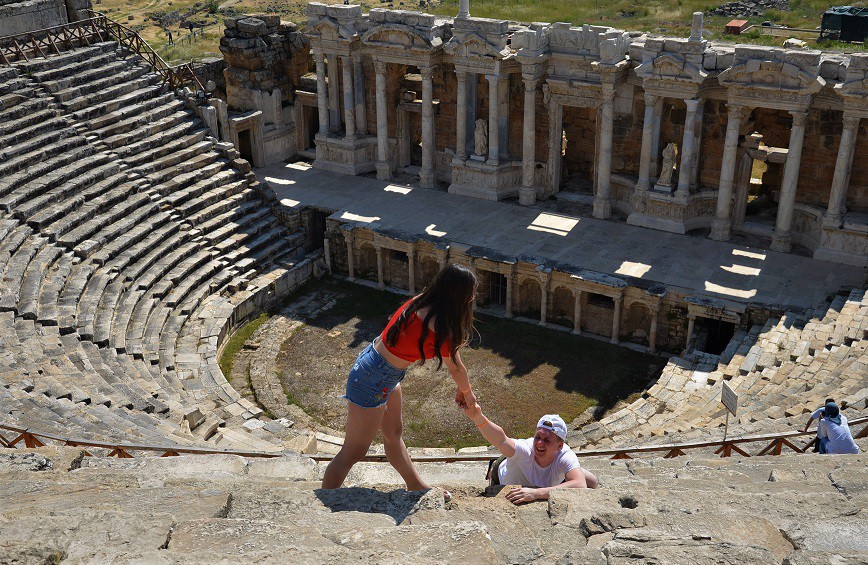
(659, 16)
(520, 371)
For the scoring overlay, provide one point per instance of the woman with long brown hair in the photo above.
(434, 324)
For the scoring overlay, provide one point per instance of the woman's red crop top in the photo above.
(407, 345)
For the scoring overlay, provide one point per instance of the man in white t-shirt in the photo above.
(834, 433)
(539, 464)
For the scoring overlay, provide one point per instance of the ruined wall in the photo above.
(262, 53)
(32, 15)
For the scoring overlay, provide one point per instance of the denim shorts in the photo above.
(372, 379)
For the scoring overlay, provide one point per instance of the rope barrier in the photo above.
(777, 442)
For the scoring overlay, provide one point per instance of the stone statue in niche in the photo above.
(668, 166)
(480, 137)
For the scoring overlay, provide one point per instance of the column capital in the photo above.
(380, 67)
(530, 84)
(492, 78)
(651, 99)
(427, 72)
(318, 55)
(799, 117)
(461, 74)
(851, 121)
(692, 104)
(608, 92)
(736, 111)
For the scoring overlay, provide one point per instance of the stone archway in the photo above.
(428, 267)
(636, 325)
(529, 298)
(366, 262)
(562, 307)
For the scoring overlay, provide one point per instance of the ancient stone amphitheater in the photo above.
(133, 242)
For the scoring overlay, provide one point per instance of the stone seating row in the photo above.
(781, 371)
(99, 247)
(229, 509)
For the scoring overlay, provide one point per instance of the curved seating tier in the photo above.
(124, 226)
(781, 372)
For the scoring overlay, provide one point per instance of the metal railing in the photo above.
(83, 33)
(774, 444)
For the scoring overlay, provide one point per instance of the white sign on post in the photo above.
(729, 398)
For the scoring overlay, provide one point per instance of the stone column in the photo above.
(603, 198)
(577, 313)
(687, 144)
(722, 221)
(463, 8)
(411, 271)
(334, 117)
(616, 320)
(327, 253)
(647, 142)
(509, 289)
(359, 95)
(351, 259)
(691, 321)
(461, 117)
(655, 138)
(527, 193)
(384, 170)
(652, 336)
(493, 129)
(843, 164)
(544, 297)
(349, 106)
(782, 238)
(426, 176)
(321, 94)
(380, 278)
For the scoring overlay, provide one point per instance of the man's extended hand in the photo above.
(520, 495)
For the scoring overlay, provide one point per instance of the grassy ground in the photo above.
(520, 371)
(152, 18)
(236, 342)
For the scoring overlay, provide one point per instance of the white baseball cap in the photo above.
(554, 424)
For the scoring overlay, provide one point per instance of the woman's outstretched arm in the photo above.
(491, 431)
(465, 396)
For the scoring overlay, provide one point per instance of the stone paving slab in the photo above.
(690, 264)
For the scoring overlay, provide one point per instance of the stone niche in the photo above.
(265, 60)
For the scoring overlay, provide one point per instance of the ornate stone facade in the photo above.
(596, 107)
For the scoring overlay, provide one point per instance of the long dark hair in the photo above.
(449, 298)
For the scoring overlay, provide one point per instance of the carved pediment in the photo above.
(764, 76)
(329, 29)
(473, 45)
(671, 67)
(397, 35)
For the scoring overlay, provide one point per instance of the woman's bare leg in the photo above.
(362, 426)
(392, 427)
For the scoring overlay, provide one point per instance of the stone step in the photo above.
(149, 146)
(20, 170)
(47, 312)
(19, 127)
(44, 169)
(28, 130)
(93, 110)
(70, 62)
(34, 278)
(194, 215)
(37, 149)
(121, 118)
(36, 136)
(13, 272)
(28, 105)
(98, 233)
(127, 249)
(93, 79)
(149, 128)
(112, 92)
(28, 200)
(159, 159)
(70, 295)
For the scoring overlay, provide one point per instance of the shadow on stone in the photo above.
(397, 504)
